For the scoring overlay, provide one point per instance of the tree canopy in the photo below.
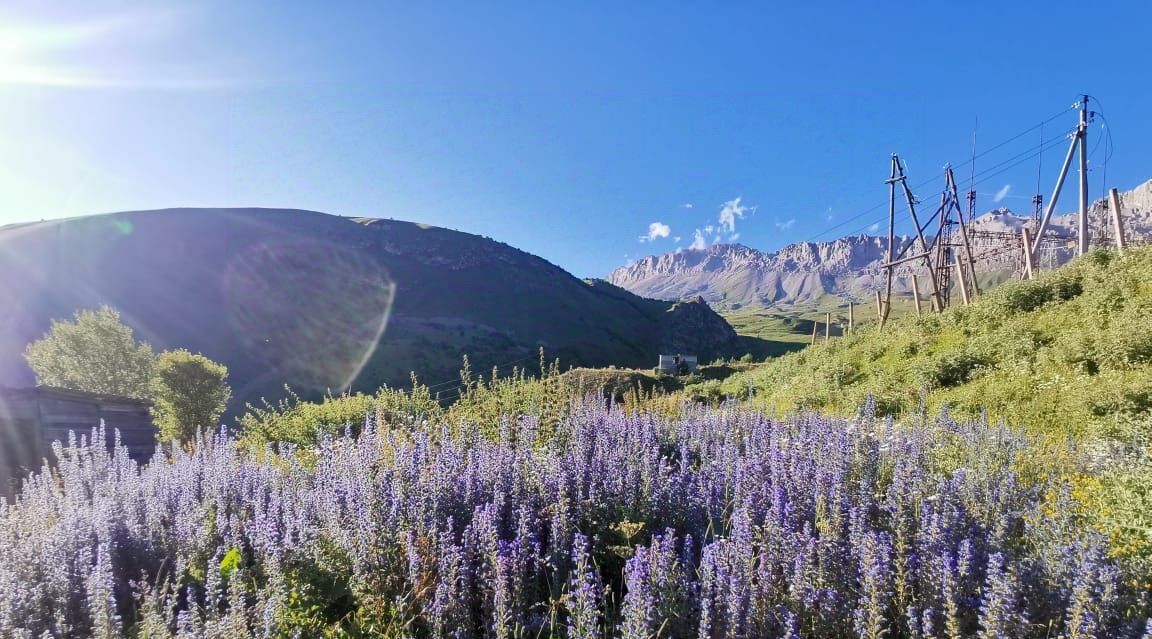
(189, 392)
(94, 352)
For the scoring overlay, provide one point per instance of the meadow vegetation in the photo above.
(720, 522)
(984, 472)
(1068, 353)
(1066, 357)
(97, 353)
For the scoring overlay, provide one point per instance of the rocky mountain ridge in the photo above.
(734, 275)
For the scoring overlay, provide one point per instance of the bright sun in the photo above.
(27, 52)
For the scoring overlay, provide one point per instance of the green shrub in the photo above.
(189, 393)
(304, 423)
(95, 352)
(953, 369)
(1033, 294)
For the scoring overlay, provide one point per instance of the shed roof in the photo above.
(68, 393)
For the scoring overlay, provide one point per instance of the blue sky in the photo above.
(570, 130)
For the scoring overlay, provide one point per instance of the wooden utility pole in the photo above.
(967, 244)
(962, 281)
(827, 326)
(937, 299)
(916, 296)
(891, 239)
(923, 249)
(879, 308)
(1082, 132)
(1117, 224)
(814, 325)
(851, 317)
(1029, 255)
(1079, 139)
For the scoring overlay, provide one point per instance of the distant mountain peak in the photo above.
(849, 266)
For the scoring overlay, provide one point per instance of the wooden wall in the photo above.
(32, 418)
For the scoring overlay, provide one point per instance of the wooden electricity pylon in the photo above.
(925, 249)
(966, 270)
(948, 252)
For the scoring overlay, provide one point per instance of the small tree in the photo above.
(96, 352)
(189, 392)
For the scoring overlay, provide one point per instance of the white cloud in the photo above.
(1002, 193)
(830, 215)
(875, 227)
(732, 211)
(724, 230)
(686, 205)
(676, 239)
(656, 230)
(784, 226)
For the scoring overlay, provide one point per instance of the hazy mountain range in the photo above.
(733, 275)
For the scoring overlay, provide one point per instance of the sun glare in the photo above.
(119, 50)
(32, 54)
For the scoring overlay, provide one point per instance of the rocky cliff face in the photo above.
(730, 275)
(693, 327)
(688, 326)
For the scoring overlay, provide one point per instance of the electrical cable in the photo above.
(1040, 163)
(1109, 147)
(976, 156)
(986, 175)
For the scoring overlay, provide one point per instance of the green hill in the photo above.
(321, 302)
(1068, 352)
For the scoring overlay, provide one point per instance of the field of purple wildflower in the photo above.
(722, 522)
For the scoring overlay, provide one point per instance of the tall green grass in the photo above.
(1069, 352)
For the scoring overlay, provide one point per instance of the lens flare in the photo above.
(310, 311)
(122, 226)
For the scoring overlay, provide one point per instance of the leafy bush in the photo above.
(722, 523)
(98, 353)
(953, 369)
(95, 353)
(300, 423)
(189, 393)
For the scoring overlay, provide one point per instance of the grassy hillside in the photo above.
(776, 330)
(321, 303)
(787, 331)
(1070, 351)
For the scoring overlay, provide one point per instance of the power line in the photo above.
(1109, 147)
(992, 171)
(1030, 153)
(975, 157)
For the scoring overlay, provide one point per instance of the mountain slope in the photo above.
(1067, 353)
(732, 275)
(319, 302)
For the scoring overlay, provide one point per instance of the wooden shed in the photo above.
(676, 364)
(32, 418)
